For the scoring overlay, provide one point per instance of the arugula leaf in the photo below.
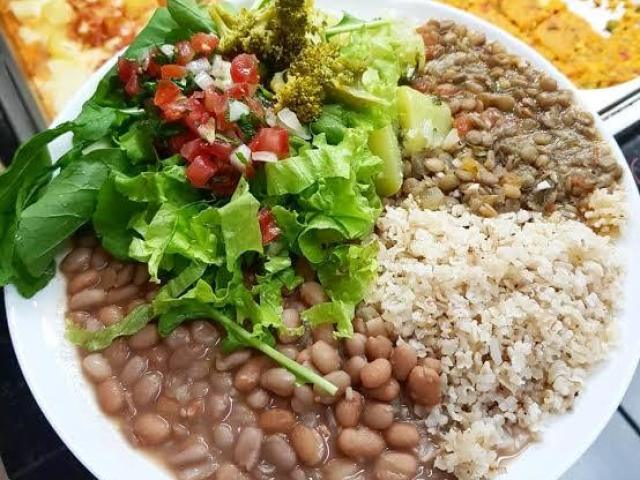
(67, 203)
(336, 312)
(111, 219)
(239, 224)
(189, 15)
(94, 122)
(137, 142)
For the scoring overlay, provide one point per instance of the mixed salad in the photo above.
(222, 149)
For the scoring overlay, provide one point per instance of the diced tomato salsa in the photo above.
(268, 226)
(189, 91)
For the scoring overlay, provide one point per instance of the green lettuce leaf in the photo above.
(337, 313)
(239, 225)
(349, 271)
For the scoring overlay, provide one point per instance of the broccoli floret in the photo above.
(276, 30)
(308, 77)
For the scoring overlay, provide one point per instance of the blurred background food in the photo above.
(596, 43)
(59, 43)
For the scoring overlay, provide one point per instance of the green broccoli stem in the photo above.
(350, 27)
(294, 367)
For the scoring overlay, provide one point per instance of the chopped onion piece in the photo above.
(168, 50)
(222, 84)
(240, 157)
(237, 109)
(204, 80)
(451, 141)
(208, 130)
(289, 120)
(268, 157)
(220, 68)
(199, 65)
(270, 118)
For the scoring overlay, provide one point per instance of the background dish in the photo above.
(53, 373)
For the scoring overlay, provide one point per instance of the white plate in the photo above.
(52, 371)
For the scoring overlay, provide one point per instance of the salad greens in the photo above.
(223, 253)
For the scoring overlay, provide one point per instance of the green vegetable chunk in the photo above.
(425, 120)
(384, 143)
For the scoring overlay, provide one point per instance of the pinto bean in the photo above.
(324, 333)
(290, 319)
(279, 381)
(308, 445)
(395, 466)
(353, 367)
(147, 337)
(133, 370)
(221, 382)
(276, 420)
(111, 395)
(403, 359)
(218, 405)
(192, 450)
(376, 373)
(87, 299)
(258, 399)
(248, 448)
(279, 453)
(77, 260)
(86, 279)
(378, 416)
(229, 362)
(125, 276)
(248, 375)
(424, 386)
(340, 379)
(312, 293)
(376, 327)
(386, 392)
(110, 315)
(180, 336)
(360, 443)
(151, 428)
(355, 346)
(141, 274)
(348, 410)
(340, 469)
(183, 356)
(433, 363)
(204, 332)
(223, 436)
(302, 401)
(97, 367)
(148, 388)
(100, 258)
(200, 471)
(402, 435)
(378, 347)
(229, 471)
(117, 353)
(123, 294)
(324, 357)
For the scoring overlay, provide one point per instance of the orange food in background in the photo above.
(589, 58)
(60, 43)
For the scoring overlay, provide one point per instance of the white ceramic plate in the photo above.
(52, 371)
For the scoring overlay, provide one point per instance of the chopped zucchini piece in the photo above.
(425, 120)
(384, 144)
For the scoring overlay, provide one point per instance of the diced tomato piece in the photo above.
(274, 140)
(462, 124)
(244, 69)
(190, 150)
(268, 226)
(225, 181)
(220, 150)
(174, 111)
(126, 69)
(167, 72)
(197, 114)
(178, 141)
(200, 171)
(204, 43)
(215, 102)
(166, 93)
(132, 87)
(153, 67)
(255, 106)
(241, 90)
(184, 52)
